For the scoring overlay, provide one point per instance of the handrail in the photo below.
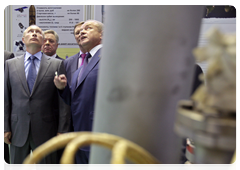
(120, 147)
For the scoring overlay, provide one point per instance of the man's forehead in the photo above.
(34, 27)
(78, 27)
(49, 35)
(88, 23)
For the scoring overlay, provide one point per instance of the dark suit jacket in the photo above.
(82, 96)
(59, 57)
(22, 109)
(63, 106)
(71, 65)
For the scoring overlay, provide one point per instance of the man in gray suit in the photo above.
(49, 48)
(29, 99)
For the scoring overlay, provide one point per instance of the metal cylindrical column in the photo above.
(146, 68)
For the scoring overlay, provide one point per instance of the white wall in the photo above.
(225, 25)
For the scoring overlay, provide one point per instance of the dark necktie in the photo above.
(32, 74)
(83, 65)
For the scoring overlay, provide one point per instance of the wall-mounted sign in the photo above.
(60, 18)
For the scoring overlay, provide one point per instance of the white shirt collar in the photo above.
(38, 55)
(80, 52)
(95, 49)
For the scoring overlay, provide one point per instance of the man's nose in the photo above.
(47, 42)
(83, 32)
(34, 33)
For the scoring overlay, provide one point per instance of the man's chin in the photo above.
(48, 54)
(35, 45)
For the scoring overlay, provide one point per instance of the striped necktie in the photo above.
(32, 74)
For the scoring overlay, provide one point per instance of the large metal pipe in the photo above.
(146, 68)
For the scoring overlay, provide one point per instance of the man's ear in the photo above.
(101, 35)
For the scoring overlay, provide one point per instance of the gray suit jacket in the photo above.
(7, 55)
(23, 110)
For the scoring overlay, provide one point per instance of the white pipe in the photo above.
(146, 68)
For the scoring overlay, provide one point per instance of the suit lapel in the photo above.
(74, 63)
(44, 65)
(74, 80)
(90, 66)
(19, 64)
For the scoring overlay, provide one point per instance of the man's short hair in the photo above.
(24, 33)
(99, 25)
(80, 23)
(52, 32)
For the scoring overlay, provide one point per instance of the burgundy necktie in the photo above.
(83, 57)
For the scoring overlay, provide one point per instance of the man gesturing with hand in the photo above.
(80, 92)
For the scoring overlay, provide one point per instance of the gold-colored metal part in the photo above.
(120, 147)
(118, 152)
(234, 162)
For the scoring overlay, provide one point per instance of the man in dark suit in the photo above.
(50, 44)
(81, 93)
(7, 55)
(73, 63)
(49, 48)
(29, 97)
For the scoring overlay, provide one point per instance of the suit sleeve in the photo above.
(7, 100)
(66, 93)
(64, 109)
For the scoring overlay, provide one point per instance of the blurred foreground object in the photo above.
(147, 66)
(120, 147)
(219, 94)
(209, 119)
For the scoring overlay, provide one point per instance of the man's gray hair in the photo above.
(52, 32)
(99, 24)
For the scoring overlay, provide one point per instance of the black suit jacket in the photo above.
(81, 96)
(66, 107)
(71, 65)
(59, 57)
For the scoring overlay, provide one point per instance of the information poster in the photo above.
(60, 18)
